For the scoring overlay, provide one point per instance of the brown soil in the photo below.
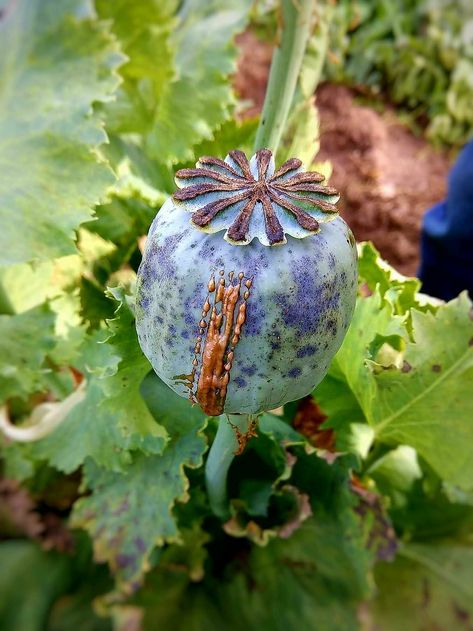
(252, 72)
(387, 176)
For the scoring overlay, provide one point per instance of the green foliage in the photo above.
(112, 420)
(164, 101)
(32, 614)
(319, 573)
(55, 599)
(433, 384)
(362, 502)
(145, 494)
(56, 61)
(419, 53)
(433, 584)
(406, 388)
(23, 369)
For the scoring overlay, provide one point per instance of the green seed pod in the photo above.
(248, 319)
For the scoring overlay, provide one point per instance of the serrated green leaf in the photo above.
(17, 463)
(419, 392)
(317, 576)
(429, 586)
(233, 134)
(22, 366)
(88, 431)
(400, 291)
(142, 187)
(144, 32)
(56, 60)
(113, 420)
(24, 287)
(145, 494)
(428, 403)
(181, 101)
(122, 389)
(373, 320)
(205, 56)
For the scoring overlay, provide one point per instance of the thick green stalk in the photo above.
(220, 458)
(285, 68)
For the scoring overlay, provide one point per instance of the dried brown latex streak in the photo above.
(223, 315)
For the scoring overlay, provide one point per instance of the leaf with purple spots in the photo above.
(127, 515)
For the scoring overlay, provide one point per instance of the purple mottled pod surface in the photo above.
(247, 284)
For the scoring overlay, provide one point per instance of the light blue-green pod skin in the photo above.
(301, 302)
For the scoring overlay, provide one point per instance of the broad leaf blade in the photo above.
(53, 66)
(22, 367)
(180, 102)
(113, 420)
(429, 586)
(428, 404)
(128, 514)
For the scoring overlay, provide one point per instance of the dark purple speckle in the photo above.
(240, 382)
(312, 300)
(249, 370)
(140, 544)
(306, 351)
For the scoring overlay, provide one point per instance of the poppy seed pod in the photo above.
(247, 284)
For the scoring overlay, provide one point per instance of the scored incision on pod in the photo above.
(223, 315)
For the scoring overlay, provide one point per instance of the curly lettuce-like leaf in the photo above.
(112, 421)
(401, 291)
(144, 30)
(88, 431)
(373, 322)
(129, 513)
(428, 402)
(414, 388)
(205, 57)
(56, 61)
(181, 101)
(315, 577)
(23, 367)
(122, 389)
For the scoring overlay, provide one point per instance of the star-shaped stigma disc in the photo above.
(249, 199)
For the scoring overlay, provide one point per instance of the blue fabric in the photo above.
(446, 266)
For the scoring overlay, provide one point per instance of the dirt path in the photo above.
(387, 176)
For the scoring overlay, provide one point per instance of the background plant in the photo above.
(357, 500)
(419, 54)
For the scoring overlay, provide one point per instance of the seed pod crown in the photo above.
(249, 199)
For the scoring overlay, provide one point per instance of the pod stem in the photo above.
(296, 17)
(222, 452)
